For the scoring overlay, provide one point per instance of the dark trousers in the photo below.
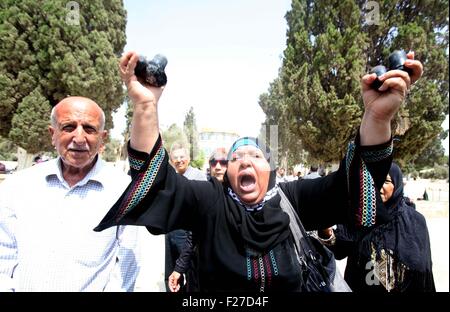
(175, 242)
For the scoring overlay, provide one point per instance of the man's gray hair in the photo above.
(177, 146)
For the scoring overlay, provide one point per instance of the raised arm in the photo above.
(144, 125)
(157, 197)
(381, 106)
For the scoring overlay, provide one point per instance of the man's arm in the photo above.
(183, 263)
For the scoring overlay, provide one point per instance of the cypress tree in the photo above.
(51, 49)
(332, 44)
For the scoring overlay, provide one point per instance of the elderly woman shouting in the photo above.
(244, 239)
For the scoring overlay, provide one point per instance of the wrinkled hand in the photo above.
(382, 106)
(174, 281)
(138, 91)
(326, 233)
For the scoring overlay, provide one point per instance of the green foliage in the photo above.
(8, 151)
(173, 134)
(438, 172)
(30, 122)
(322, 64)
(199, 160)
(316, 100)
(112, 149)
(40, 50)
(432, 154)
(190, 130)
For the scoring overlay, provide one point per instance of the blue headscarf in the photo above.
(256, 142)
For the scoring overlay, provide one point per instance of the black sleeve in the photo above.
(183, 262)
(349, 195)
(158, 197)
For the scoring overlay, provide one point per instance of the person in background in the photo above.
(47, 213)
(291, 176)
(187, 261)
(218, 163)
(393, 256)
(281, 175)
(313, 174)
(176, 240)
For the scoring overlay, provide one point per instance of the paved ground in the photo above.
(436, 212)
(439, 236)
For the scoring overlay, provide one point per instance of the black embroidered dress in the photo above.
(249, 251)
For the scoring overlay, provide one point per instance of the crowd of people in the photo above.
(225, 232)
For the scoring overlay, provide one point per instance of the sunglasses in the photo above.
(223, 162)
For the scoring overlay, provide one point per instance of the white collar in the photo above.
(54, 169)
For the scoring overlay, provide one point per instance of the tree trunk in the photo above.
(24, 159)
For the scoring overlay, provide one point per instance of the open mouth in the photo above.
(247, 182)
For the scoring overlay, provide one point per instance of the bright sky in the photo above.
(221, 56)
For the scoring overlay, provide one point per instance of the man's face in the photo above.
(77, 135)
(218, 167)
(248, 173)
(180, 160)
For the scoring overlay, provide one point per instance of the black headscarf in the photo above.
(397, 180)
(405, 237)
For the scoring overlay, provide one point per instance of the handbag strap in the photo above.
(337, 282)
(296, 226)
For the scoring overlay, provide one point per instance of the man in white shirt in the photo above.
(48, 212)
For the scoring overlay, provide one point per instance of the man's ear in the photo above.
(104, 135)
(51, 130)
